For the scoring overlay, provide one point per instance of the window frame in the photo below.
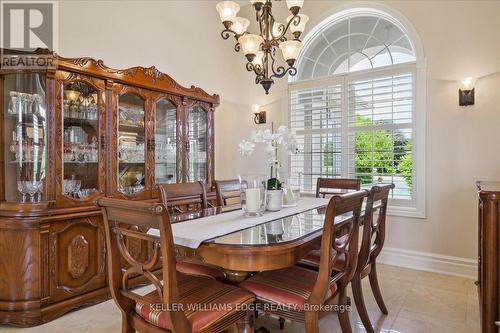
(416, 207)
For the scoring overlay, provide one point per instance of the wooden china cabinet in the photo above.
(73, 132)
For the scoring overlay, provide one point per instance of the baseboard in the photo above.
(431, 262)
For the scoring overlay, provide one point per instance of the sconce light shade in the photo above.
(466, 92)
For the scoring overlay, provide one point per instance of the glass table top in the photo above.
(282, 230)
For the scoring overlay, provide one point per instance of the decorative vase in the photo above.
(274, 200)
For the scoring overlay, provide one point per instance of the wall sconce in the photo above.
(259, 116)
(466, 92)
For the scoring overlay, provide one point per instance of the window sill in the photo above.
(392, 210)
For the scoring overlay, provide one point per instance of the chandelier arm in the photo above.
(237, 47)
(281, 71)
(295, 20)
(226, 33)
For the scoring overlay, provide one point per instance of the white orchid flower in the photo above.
(246, 148)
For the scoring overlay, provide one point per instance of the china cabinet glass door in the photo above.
(197, 149)
(131, 144)
(25, 137)
(165, 142)
(80, 157)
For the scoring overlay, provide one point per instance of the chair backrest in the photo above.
(324, 186)
(117, 215)
(374, 229)
(227, 190)
(182, 197)
(346, 206)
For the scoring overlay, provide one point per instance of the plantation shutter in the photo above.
(316, 116)
(380, 123)
(356, 126)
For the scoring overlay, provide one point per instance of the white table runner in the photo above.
(194, 232)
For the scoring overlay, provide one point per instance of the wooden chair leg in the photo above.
(282, 323)
(312, 324)
(359, 300)
(126, 324)
(376, 289)
(345, 323)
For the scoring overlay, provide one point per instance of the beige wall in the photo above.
(459, 39)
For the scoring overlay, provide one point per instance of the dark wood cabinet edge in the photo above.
(145, 77)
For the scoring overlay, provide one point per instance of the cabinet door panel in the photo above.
(197, 144)
(80, 157)
(130, 143)
(24, 135)
(76, 257)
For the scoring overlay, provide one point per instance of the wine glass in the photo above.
(32, 189)
(13, 106)
(40, 190)
(20, 188)
(77, 186)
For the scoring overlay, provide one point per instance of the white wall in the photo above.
(459, 39)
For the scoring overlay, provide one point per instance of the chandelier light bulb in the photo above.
(240, 25)
(227, 10)
(250, 44)
(302, 24)
(290, 50)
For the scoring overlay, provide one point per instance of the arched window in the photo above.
(353, 105)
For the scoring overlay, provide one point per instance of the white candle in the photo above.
(253, 199)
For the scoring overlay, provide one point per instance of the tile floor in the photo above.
(418, 302)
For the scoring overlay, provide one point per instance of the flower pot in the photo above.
(274, 200)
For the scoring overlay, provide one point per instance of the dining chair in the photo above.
(371, 244)
(301, 294)
(183, 197)
(180, 303)
(227, 191)
(329, 186)
(324, 187)
(192, 196)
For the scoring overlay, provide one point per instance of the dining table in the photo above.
(272, 241)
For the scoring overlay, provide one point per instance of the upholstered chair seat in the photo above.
(195, 266)
(207, 304)
(289, 287)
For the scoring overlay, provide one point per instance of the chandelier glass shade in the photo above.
(260, 49)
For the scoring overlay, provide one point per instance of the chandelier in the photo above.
(260, 50)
